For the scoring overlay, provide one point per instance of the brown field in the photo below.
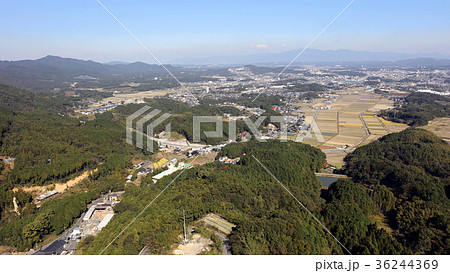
(327, 115)
(327, 123)
(393, 126)
(139, 95)
(383, 104)
(311, 141)
(374, 125)
(439, 126)
(341, 140)
(336, 158)
(356, 131)
(358, 106)
(371, 138)
(342, 125)
(328, 129)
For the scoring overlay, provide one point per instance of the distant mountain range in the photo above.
(52, 71)
(310, 56)
(56, 72)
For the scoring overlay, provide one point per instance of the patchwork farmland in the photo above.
(352, 121)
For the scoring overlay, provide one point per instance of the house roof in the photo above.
(160, 163)
(164, 173)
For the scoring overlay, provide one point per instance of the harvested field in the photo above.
(336, 158)
(134, 96)
(341, 140)
(360, 107)
(393, 126)
(439, 126)
(342, 125)
(371, 138)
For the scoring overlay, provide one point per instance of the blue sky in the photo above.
(176, 29)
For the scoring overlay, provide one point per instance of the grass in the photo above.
(439, 126)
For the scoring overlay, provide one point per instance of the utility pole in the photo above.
(184, 224)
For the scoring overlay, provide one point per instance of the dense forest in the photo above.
(419, 108)
(56, 74)
(307, 87)
(268, 219)
(407, 174)
(262, 101)
(17, 99)
(244, 194)
(183, 115)
(48, 147)
(394, 203)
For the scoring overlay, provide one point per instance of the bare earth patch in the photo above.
(196, 245)
(60, 187)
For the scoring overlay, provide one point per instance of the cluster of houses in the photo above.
(227, 160)
(148, 167)
(89, 109)
(322, 107)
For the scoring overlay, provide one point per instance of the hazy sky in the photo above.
(176, 29)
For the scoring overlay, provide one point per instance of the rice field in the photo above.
(343, 124)
(439, 126)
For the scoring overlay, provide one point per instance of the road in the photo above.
(71, 244)
(301, 138)
(182, 144)
(226, 244)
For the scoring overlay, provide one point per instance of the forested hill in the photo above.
(56, 72)
(17, 99)
(51, 146)
(408, 176)
(268, 219)
(419, 108)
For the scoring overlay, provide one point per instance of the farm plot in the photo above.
(327, 123)
(382, 104)
(336, 157)
(439, 126)
(351, 130)
(393, 126)
(374, 125)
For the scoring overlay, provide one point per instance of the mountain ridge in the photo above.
(310, 56)
(53, 71)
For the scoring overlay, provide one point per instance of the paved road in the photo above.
(72, 244)
(300, 138)
(226, 245)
